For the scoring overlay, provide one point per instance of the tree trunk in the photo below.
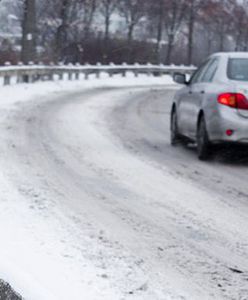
(107, 20)
(169, 49)
(107, 24)
(130, 33)
(106, 37)
(222, 43)
(209, 45)
(159, 31)
(238, 40)
(61, 34)
(191, 25)
(28, 52)
(89, 11)
(130, 43)
(222, 39)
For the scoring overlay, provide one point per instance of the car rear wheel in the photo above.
(174, 136)
(203, 145)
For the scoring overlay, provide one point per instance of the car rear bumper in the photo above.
(228, 119)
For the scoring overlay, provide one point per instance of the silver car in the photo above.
(212, 107)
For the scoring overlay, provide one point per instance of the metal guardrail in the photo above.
(32, 73)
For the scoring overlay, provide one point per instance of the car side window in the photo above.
(198, 74)
(210, 71)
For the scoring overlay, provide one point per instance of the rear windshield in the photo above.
(238, 69)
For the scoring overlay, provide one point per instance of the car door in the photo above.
(199, 89)
(184, 103)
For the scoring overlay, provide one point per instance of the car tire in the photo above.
(174, 134)
(202, 141)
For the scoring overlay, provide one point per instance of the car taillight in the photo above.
(235, 100)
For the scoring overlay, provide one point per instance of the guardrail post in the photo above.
(70, 75)
(25, 78)
(171, 72)
(124, 71)
(51, 76)
(6, 79)
(161, 71)
(18, 75)
(77, 73)
(148, 72)
(111, 71)
(34, 77)
(18, 78)
(38, 76)
(51, 72)
(136, 72)
(61, 75)
(98, 72)
(86, 71)
(70, 72)
(30, 76)
(60, 71)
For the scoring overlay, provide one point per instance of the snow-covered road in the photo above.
(96, 204)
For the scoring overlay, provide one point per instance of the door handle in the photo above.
(190, 92)
(202, 92)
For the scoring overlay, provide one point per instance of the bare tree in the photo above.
(156, 14)
(107, 8)
(133, 11)
(80, 17)
(61, 32)
(63, 26)
(29, 31)
(193, 8)
(221, 12)
(239, 25)
(207, 32)
(175, 12)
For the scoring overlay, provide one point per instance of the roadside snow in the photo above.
(35, 253)
(24, 92)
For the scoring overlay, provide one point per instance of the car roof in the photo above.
(231, 54)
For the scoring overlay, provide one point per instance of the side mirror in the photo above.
(180, 78)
